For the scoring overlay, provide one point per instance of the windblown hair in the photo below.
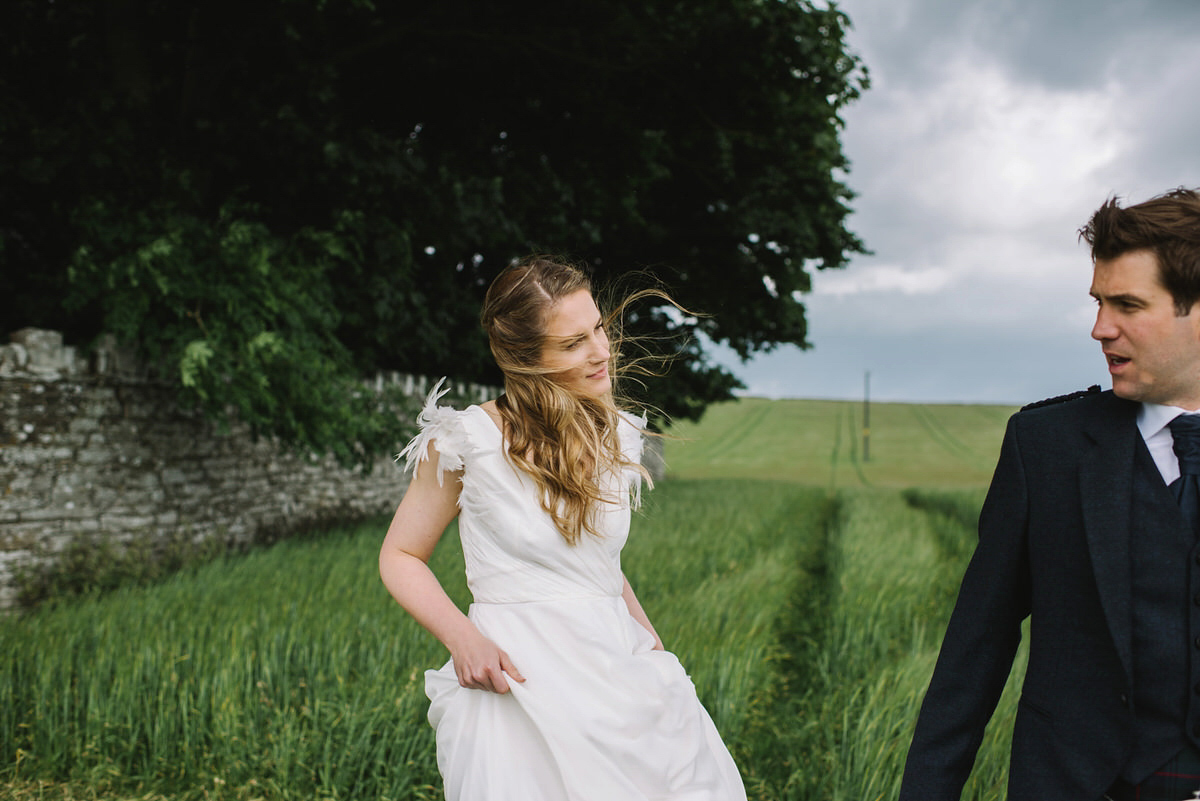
(1168, 226)
(568, 443)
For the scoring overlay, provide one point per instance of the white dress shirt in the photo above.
(1152, 421)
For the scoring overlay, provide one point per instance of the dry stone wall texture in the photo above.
(91, 448)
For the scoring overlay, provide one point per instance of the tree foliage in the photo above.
(273, 198)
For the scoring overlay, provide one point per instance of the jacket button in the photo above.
(1124, 700)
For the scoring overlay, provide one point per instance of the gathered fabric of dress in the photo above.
(601, 716)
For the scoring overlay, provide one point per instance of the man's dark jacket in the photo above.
(1054, 543)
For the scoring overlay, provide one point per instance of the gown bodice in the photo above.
(512, 550)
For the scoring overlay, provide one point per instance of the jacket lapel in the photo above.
(1106, 489)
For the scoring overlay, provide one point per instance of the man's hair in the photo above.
(1167, 225)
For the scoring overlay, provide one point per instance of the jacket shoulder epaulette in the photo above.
(1070, 396)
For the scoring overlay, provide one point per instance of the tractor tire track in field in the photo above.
(851, 426)
(938, 432)
(735, 435)
(802, 628)
(953, 523)
(845, 414)
(835, 453)
(812, 717)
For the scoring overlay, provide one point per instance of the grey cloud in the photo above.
(1112, 81)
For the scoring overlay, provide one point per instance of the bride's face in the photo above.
(576, 346)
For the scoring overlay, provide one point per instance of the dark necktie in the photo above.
(1185, 430)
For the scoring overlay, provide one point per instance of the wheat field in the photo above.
(804, 588)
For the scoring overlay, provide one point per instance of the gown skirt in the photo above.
(601, 715)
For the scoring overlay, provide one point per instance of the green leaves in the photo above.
(195, 360)
(320, 190)
(240, 316)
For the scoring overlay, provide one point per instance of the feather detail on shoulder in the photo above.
(441, 425)
(632, 440)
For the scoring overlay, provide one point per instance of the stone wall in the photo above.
(91, 447)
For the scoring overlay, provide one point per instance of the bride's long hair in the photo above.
(565, 441)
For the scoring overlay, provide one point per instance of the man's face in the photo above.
(1153, 354)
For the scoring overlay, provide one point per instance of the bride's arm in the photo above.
(639, 614)
(427, 508)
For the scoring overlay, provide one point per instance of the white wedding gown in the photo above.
(601, 716)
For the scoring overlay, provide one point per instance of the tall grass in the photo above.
(282, 673)
(808, 609)
(289, 673)
(897, 569)
(720, 570)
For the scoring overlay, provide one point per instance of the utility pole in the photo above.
(867, 416)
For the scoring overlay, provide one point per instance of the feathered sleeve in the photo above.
(632, 441)
(443, 426)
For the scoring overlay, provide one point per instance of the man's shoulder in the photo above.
(1092, 392)
(1090, 408)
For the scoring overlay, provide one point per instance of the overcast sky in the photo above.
(990, 133)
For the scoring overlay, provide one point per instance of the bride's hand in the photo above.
(481, 665)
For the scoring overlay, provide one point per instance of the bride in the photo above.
(558, 687)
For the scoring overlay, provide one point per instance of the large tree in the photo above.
(272, 198)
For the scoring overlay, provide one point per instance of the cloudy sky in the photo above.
(990, 133)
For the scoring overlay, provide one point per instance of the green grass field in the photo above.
(820, 443)
(804, 589)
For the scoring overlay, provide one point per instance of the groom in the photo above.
(1089, 530)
